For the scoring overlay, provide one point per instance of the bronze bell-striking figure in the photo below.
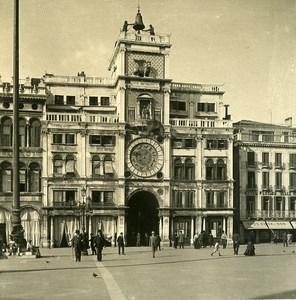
(139, 25)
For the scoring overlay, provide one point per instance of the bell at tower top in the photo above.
(139, 25)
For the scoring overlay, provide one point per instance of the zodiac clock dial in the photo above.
(144, 157)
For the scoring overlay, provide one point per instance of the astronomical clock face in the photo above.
(145, 157)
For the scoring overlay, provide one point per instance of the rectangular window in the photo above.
(293, 203)
(222, 144)
(70, 197)
(95, 139)
(286, 137)
(57, 196)
(96, 196)
(108, 197)
(93, 101)
(266, 203)
(131, 114)
(189, 199)
(210, 199)
(177, 198)
(278, 160)
(57, 138)
(201, 107)
(250, 205)
(265, 180)
(278, 180)
(70, 100)
(59, 99)
(70, 138)
(178, 105)
(251, 180)
(292, 161)
(105, 101)
(108, 140)
(267, 136)
(280, 204)
(189, 143)
(292, 181)
(221, 199)
(251, 158)
(211, 107)
(34, 181)
(265, 159)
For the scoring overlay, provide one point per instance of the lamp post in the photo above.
(83, 207)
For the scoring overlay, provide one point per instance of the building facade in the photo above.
(131, 153)
(265, 180)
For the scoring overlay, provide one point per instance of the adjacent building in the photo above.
(265, 179)
(131, 153)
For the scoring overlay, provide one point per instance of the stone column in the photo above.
(51, 232)
(192, 230)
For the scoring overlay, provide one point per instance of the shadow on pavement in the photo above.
(284, 295)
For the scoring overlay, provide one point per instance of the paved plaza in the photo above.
(173, 274)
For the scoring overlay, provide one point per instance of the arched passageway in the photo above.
(142, 217)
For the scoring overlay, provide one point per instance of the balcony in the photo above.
(78, 80)
(193, 87)
(216, 206)
(77, 118)
(264, 139)
(201, 123)
(145, 38)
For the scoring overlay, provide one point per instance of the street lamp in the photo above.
(82, 207)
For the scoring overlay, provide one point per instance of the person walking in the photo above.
(99, 242)
(236, 243)
(138, 243)
(120, 243)
(224, 239)
(216, 248)
(211, 240)
(153, 243)
(176, 240)
(250, 251)
(76, 243)
(284, 237)
(92, 244)
(181, 239)
(195, 241)
(289, 238)
(158, 242)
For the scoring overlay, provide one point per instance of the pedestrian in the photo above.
(181, 239)
(92, 244)
(250, 251)
(176, 239)
(216, 248)
(275, 237)
(289, 238)
(236, 243)
(284, 237)
(99, 244)
(146, 239)
(76, 243)
(153, 243)
(120, 243)
(224, 239)
(158, 238)
(138, 243)
(195, 241)
(211, 240)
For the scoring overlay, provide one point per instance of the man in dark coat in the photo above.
(120, 243)
(99, 244)
(77, 245)
(235, 240)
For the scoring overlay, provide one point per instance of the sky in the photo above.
(247, 45)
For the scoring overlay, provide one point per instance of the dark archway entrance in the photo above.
(142, 217)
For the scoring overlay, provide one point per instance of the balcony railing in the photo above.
(77, 118)
(56, 79)
(200, 123)
(261, 138)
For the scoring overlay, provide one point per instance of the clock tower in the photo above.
(140, 65)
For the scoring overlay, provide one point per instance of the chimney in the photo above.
(288, 121)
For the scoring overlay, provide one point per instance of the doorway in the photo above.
(142, 217)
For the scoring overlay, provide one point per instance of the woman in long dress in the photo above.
(250, 251)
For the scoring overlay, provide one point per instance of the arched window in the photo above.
(35, 133)
(189, 169)
(178, 169)
(210, 168)
(23, 178)
(6, 177)
(22, 133)
(221, 169)
(70, 164)
(96, 164)
(6, 132)
(34, 178)
(58, 165)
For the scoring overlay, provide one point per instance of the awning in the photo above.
(293, 224)
(279, 224)
(255, 225)
(108, 167)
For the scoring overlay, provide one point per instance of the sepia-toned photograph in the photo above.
(147, 149)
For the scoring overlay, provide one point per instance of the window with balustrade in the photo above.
(205, 107)
(6, 132)
(93, 101)
(70, 100)
(177, 105)
(6, 177)
(59, 99)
